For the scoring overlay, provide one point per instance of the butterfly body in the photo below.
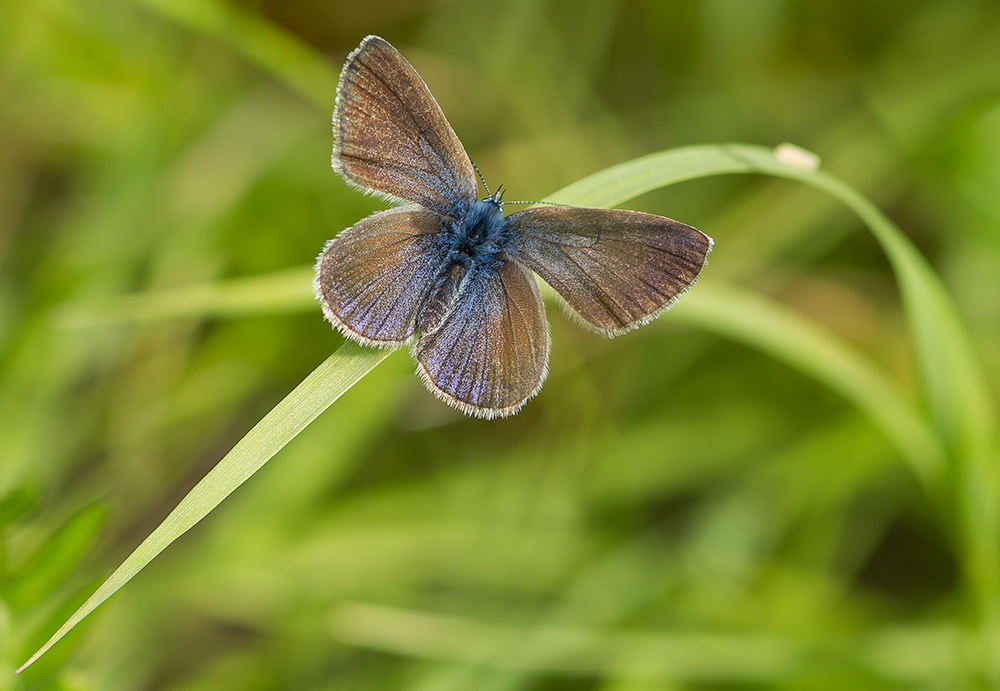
(442, 296)
(451, 274)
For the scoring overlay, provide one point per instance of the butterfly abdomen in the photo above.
(441, 297)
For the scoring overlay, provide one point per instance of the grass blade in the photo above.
(779, 332)
(281, 291)
(917, 655)
(311, 397)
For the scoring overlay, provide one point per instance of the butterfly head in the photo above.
(495, 198)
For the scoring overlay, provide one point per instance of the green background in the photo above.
(674, 510)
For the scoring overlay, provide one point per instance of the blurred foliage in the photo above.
(674, 510)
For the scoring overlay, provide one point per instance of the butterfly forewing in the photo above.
(391, 137)
(616, 269)
(372, 278)
(491, 353)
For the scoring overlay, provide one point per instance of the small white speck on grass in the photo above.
(796, 156)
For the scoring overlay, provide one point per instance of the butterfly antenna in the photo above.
(537, 202)
(496, 196)
(481, 179)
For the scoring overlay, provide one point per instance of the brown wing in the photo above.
(616, 269)
(491, 353)
(372, 278)
(391, 137)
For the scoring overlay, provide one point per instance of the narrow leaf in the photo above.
(317, 391)
(921, 655)
(282, 291)
(779, 332)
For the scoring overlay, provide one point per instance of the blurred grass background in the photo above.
(673, 511)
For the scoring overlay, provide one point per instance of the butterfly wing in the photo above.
(391, 137)
(616, 269)
(491, 353)
(372, 278)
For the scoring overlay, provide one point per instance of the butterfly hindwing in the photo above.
(372, 278)
(491, 353)
(391, 137)
(616, 269)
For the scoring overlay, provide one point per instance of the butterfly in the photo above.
(448, 273)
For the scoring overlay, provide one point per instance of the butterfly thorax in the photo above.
(480, 234)
(473, 245)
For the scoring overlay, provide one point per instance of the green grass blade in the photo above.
(311, 397)
(566, 650)
(953, 382)
(281, 291)
(909, 655)
(617, 184)
(779, 332)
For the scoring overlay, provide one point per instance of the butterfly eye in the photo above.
(496, 197)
